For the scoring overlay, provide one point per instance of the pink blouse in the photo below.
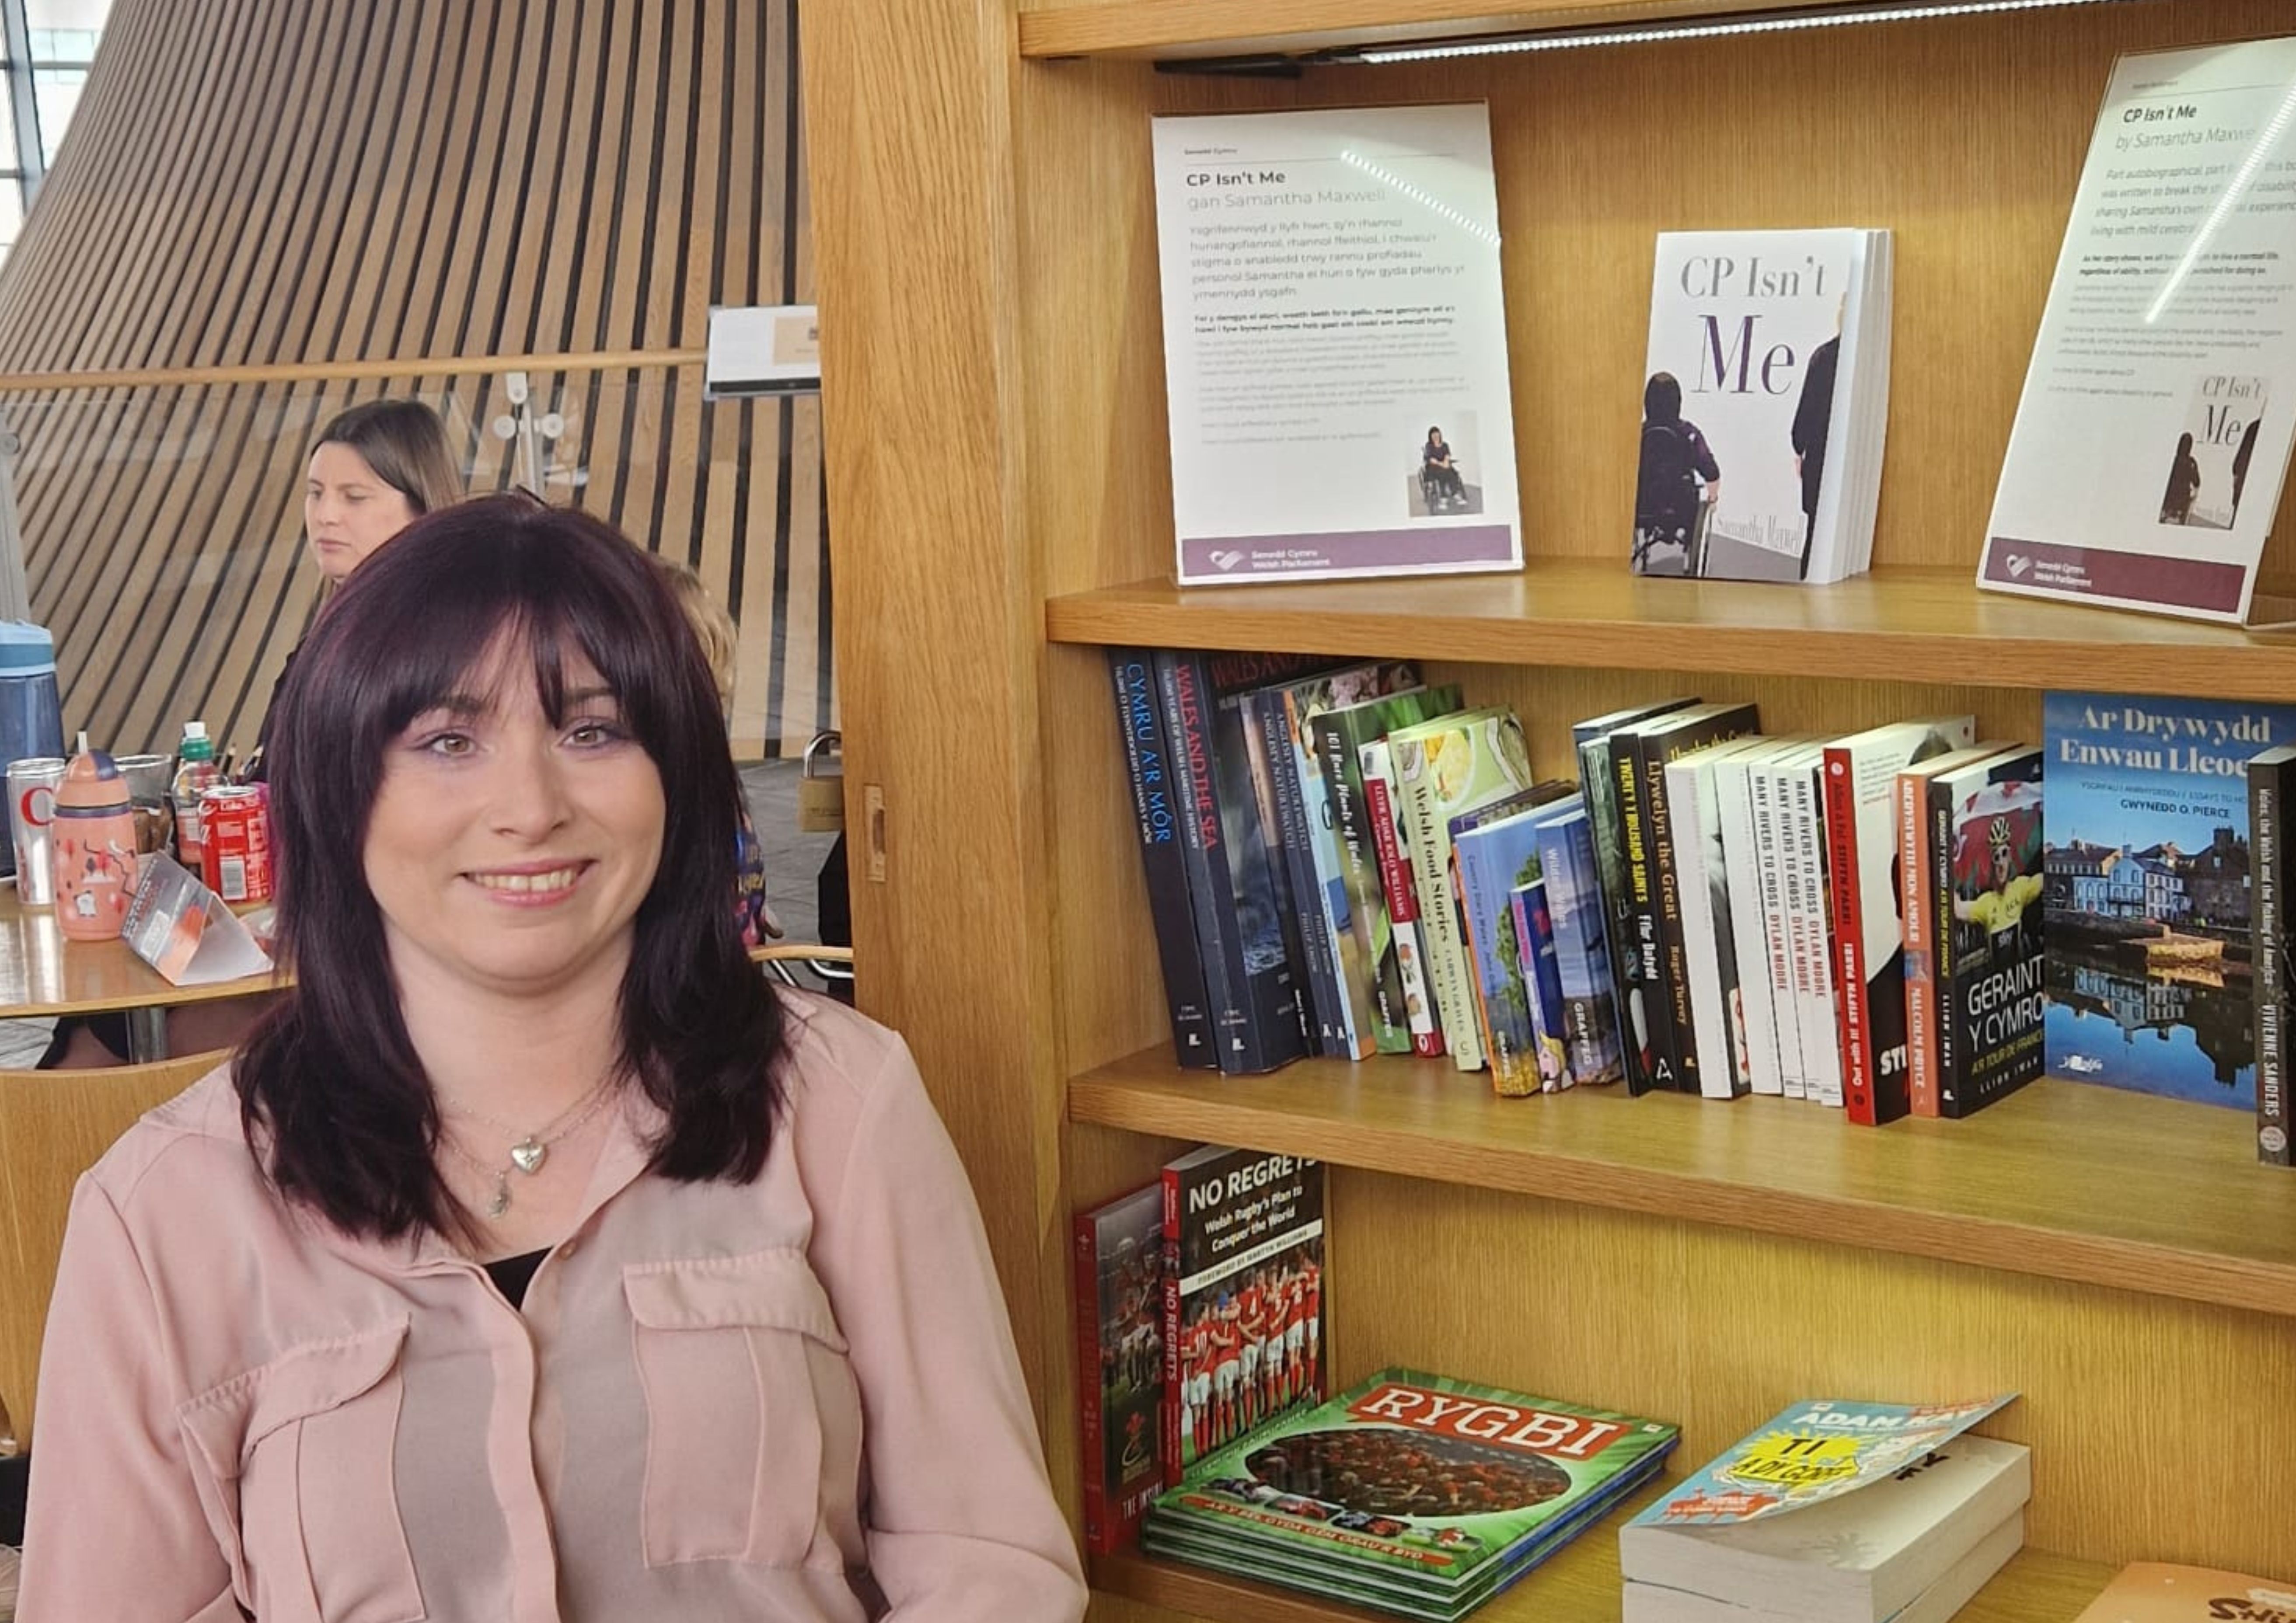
(793, 1399)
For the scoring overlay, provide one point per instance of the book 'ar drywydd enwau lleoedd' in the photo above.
(2146, 891)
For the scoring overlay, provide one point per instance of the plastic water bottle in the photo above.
(32, 720)
(193, 777)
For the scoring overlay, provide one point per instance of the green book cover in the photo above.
(1444, 767)
(1414, 1481)
(1339, 736)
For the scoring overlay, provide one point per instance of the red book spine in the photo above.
(1098, 1530)
(1167, 1412)
(1849, 942)
(1921, 925)
(1402, 894)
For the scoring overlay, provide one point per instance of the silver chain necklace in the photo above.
(527, 1154)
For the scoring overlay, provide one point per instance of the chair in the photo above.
(779, 960)
(54, 1124)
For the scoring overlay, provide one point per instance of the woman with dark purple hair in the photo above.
(534, 1259)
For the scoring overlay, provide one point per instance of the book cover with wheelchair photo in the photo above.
(1335, 353)
(1764, 405)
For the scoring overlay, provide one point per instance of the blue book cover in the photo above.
(1582, 956)
(1534, 943)
(1495, 860)
(2146, 891)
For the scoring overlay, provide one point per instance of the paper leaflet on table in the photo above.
(183, 929)
(1810, 1452)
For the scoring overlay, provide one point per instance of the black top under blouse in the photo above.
(513, 1274)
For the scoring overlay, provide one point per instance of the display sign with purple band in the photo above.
(1335, 344)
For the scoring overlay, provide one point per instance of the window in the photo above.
(47, 47)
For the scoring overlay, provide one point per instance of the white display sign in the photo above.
(762, 349)
(1336, 344)
(2153, 433)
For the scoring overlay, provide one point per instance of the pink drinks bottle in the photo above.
(91, 842)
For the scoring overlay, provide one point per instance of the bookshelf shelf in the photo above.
(1595, 614)
(1182, 28)
(1579, 1585)
(2060, 1181)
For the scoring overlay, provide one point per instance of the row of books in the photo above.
(1342, 860)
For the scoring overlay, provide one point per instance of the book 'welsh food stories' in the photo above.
(2146, 891)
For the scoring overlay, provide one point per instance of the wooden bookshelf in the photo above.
(1592, 613)
(2060, 1180)
(996, 441)
(1183, 29)
(1579, 1585)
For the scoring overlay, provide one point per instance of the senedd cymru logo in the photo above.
(1226, 560)
(2018, 564)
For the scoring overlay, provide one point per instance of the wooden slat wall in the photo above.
(250, 182)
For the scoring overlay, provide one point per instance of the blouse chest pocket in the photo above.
(753, 1415)
(294, 1465)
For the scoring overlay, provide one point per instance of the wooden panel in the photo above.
(2061, 1180)
(1579, 1585)
(1182, 28)
(319, 193)
(1719, 1328)
(940, 613)
(54, 1124)
(1590, 613)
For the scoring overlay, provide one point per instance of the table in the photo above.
(44, 976)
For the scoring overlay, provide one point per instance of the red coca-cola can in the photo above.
(235, 829)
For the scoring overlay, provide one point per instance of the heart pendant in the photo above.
(527, 1155)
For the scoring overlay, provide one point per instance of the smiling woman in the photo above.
(535, 1256)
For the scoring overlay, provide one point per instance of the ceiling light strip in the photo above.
(1706, 29)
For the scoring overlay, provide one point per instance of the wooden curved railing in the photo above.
(265, 212)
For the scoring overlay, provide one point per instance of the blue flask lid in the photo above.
(26, 650)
